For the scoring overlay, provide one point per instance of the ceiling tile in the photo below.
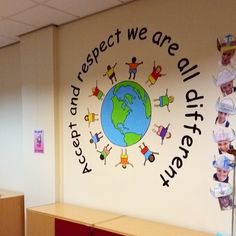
(6, 41)
(11, 7)
(83, 7)
(41, 16)
(11, 28)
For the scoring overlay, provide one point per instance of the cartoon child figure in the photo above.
(97, 93)
(133, 67)
(156, 73)
(104, 153)
(225, 80)
(124, 159)
(95, 138)
(162, 132)
(227, 47)
(110, 73)
(225, 107)
(148, 155)
(223, 166)
(164, 100)
(224, 136)
(90, 117)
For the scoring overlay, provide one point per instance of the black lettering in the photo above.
(178, 161)
(95, 53)
(188, 139)
(173, 47)
(173, 172)
(86, 170)
(132, 33)
(103, 46)
(165, 182)
(142, 33)
(110, 44)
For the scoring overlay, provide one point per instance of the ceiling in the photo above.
(18, 17)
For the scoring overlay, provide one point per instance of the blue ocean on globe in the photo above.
(125, 113)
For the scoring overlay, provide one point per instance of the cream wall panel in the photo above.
(138, 191)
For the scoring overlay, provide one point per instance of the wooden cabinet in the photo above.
(68, 220)
(64, 220)
(65, 228)
(11, 214)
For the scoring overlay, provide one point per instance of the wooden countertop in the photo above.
(78, 214)
(7, 194)
(140, 227)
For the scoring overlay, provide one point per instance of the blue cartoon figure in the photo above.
(164, 100)
(95, 138)
(148, 154)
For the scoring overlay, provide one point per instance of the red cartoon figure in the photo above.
(104, 153)
(156, 73)
(162, 132)
(225, 80)
(97, 93)
(110, 73)
(148, 155)
(227, 47)
(124, 159)
(164, 100)
(95, 138)
(90, 117)
(133, 67)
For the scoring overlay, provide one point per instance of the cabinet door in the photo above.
(100, 232)
(39, 224)
(67, 228)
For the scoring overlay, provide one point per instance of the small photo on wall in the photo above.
(38, 141)
(226, 202)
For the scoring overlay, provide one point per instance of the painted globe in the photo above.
(125, 113)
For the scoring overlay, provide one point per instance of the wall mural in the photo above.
(224, 134)
(125, 110)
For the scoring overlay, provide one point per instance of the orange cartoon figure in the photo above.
(148, 155)
(110, 73)
(90, 117)
(104, 153)
(124, 159)
(97, 93)
(133, 67)
(164, 100)
(156, 73)
(162, 132)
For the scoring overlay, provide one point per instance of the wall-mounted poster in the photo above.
(38, 141)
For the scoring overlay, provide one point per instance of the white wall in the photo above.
(38, 112)
(138, 191)
(11, 158)
(36, 93)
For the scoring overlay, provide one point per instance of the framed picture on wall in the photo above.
(38, 141)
